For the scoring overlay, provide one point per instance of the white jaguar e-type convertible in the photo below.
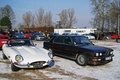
(23, 53)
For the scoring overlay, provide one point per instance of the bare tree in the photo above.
(27, 18)
(63, 18)
(48, 19)
(33, 21)
(67, 18)
(114, 12)
(40, 17)
(72, 19)
(100, 9)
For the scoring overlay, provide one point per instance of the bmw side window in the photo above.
(67, 40)
(57, 40)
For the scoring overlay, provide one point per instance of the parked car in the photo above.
(53, 34)
(3, 40)
(22, 53)
(18, 35)
(66, 34)
(118, 40)
(89, 36)
(108, 37)
(28, 35)
(80, 49)
(75, 34)
(114, 36)
(37, 36)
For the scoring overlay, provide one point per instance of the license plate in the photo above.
(108, 58)
(38, 66)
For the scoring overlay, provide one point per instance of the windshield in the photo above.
(81, 40)
(20, 42)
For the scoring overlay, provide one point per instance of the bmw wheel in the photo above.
(81, 60)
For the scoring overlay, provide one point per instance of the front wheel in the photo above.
(82, 60)
(14, 68)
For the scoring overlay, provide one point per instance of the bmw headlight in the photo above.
(18, 58)
(100, 54)
(50, 55)
(97, 54)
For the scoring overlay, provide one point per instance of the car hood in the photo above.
(96, 48)
(31, 53)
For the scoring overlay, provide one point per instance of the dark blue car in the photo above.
(80, 49)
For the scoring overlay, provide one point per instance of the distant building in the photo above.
(78, 31)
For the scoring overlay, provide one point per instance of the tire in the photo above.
(14, 68)
(118, 40)
(82, 60)
(4, 56)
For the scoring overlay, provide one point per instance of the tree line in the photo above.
(44, 19)
(7, 17)
(106, 14)
(106, 17)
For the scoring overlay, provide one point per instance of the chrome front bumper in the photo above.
(38, 64)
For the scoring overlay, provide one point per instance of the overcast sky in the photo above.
(82, 9)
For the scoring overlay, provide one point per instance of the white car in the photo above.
(89, 36)
(23, 53)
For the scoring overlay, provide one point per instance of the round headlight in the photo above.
(97, 54)
(18, 58)
(50, 55)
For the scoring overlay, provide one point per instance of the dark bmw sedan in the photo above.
(80, 49)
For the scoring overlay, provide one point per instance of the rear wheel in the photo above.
(14, 68)
(118, 40)
(35, 38)
(81, 60)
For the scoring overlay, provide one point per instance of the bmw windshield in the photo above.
(81, 40)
